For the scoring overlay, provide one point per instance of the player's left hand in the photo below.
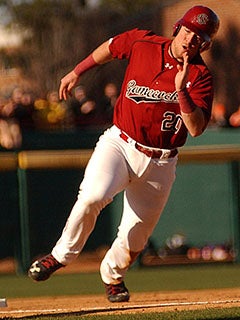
(182, 75)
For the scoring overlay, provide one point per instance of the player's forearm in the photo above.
(194, 121)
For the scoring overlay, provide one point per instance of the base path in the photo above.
(139, 302)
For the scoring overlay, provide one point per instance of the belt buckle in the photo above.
(165, 154)
(131, 142)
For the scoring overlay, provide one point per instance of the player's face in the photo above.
(186, 41)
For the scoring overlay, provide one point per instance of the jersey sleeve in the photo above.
(121, 45)
(202, 92)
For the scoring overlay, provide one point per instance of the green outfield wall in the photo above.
(204, 204)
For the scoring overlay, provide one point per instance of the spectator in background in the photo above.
(108, 102)
(11, 104)
(10, 134)
(58, 116)
(24, 111)
(16, 96)
(10, 131)
(83, 108)
(234, 119)
(51, 113)
(218, 116)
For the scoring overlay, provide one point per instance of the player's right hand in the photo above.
(182, 75)
(67, 84)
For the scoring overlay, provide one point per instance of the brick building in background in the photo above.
(224, 57)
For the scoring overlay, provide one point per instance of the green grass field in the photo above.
(138, 280)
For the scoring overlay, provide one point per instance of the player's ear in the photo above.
(205, 46)
(176, 28)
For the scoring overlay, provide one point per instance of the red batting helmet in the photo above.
(202, 21)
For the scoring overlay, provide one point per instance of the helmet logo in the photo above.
(202, 18)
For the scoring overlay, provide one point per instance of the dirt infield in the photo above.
(140, 302)
(97, 304)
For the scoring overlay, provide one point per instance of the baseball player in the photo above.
(167, 93)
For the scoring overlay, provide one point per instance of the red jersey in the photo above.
(148, 108)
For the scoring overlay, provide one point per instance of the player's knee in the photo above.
(93, 203)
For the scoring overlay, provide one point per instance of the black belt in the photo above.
(151, 153)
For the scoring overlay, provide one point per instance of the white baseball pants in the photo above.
(115, 166)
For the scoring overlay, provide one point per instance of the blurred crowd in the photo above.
(22, 111)
(219, 118)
